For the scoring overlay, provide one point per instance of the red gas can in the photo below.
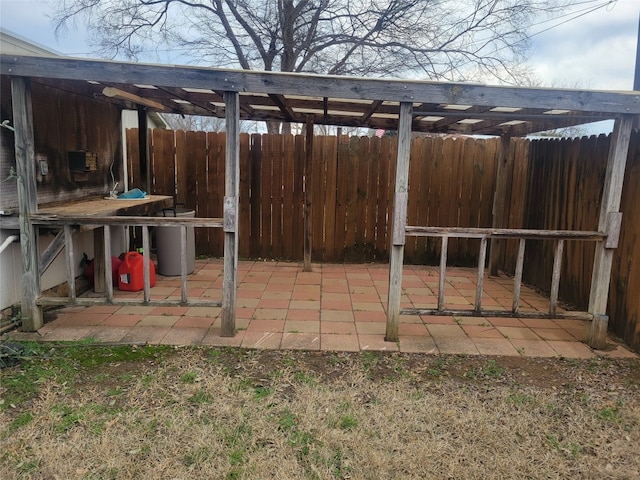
(130, 273)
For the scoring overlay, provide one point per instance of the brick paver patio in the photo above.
(334, 307)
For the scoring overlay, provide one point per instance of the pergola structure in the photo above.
(403, 105)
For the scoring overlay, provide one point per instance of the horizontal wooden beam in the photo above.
(40, 219)
(319, 85)
(495, 313)
(461, 232)
(112, 92)
(57, 301)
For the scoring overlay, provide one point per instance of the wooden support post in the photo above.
(232, 180)
(99, 285)
(612, 192)
(71, 274)
(555, 279)
(106, 276)
(308, 245)
(482, 257)
(145, 164)
(146, 270)
(442, 273)
(496, 251)
(27, 201)
(517, 278)
(183, 264)
(399, 221)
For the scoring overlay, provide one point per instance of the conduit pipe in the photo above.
(8, 241)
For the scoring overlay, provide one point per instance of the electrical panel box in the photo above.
(83, 161)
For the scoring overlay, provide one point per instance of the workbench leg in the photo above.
(99, 285)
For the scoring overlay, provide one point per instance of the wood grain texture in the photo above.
(27, 201)
(232, 181)
(317, 85)
(399, 219)
(611, 196)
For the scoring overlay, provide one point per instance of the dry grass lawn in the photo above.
(88, 412)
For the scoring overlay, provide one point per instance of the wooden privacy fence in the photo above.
(557, 184)
(352, 180)
(554, 185)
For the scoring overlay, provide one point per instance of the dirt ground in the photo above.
(91, 412)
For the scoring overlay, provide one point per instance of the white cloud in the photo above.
(31, 20)
(596, 51)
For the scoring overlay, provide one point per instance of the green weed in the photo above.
(29, 466)
(572, 449)
(237, 457)
(201, 397)
(63, 362)
(287, 420)
(261, 392)
(20, 421)
(490, 370)
(68, 418)
(196, 457)
(189, 377)
(347, 422)
(114, 392)
(437, 368)
(611, 414)
(520, 399)
(304, 377)
(369, 360)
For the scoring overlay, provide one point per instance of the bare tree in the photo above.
(457, 40)
(437, 39)
(199, 123)
(194, 123)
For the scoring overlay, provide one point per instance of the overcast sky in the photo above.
(595, 51)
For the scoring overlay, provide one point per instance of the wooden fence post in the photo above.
(232, 180)
(496, 251)
(27, 201)
(143, 148)
(399, 221)
(307, 195)
(612, 192)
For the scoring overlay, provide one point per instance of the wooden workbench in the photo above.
(100, 207)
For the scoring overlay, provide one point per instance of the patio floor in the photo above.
(335, 307)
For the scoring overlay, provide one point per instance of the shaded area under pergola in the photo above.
(401, 105)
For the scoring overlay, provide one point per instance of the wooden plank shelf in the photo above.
(97, 206)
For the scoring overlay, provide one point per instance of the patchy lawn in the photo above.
(91, 412)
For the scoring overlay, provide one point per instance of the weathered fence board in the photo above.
(255, 161)
(298, 196)
(199, 160)
(265, 196)
(351, 187)
(624, 296)
(330, 200)
(554, 184)
(244, 192)
(557, 184)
